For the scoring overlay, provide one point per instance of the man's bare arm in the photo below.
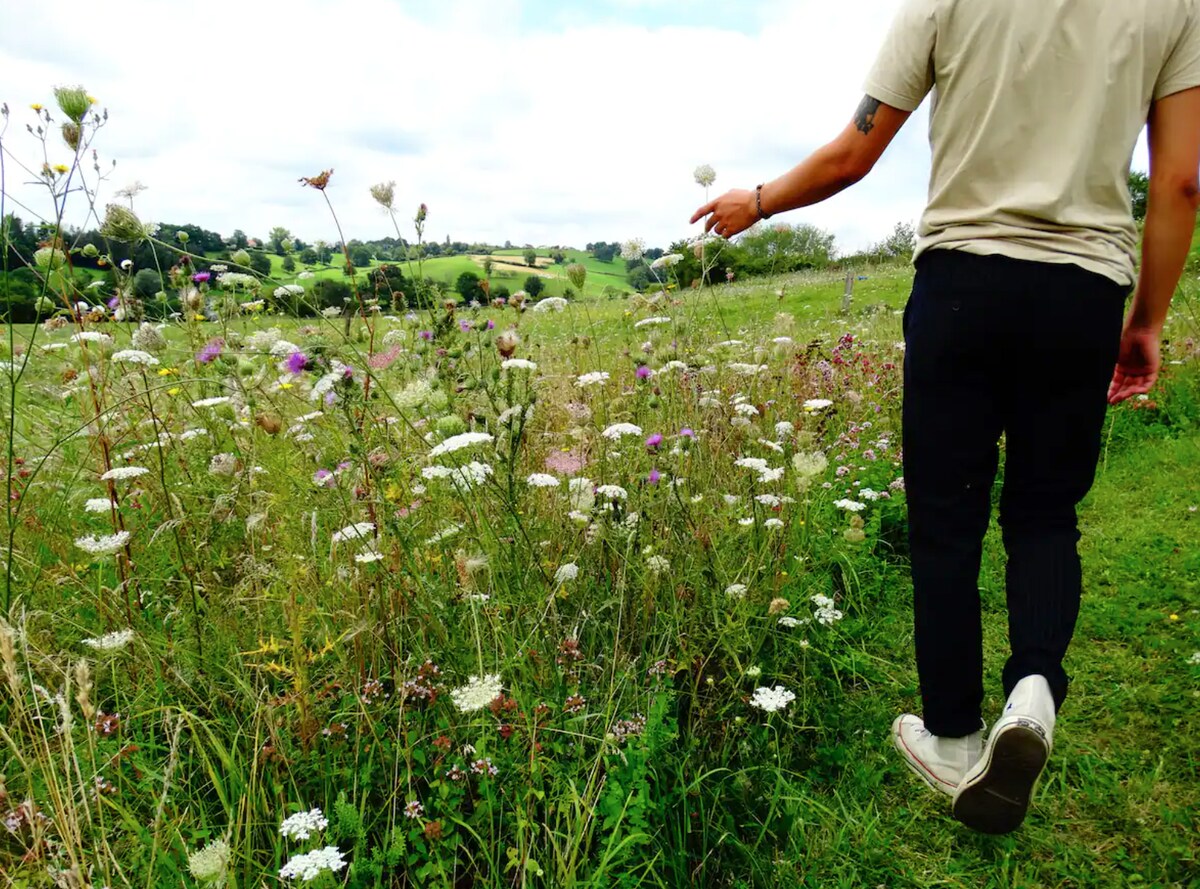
(1170, 223)
(829, 170)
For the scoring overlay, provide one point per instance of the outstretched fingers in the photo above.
(704, 211)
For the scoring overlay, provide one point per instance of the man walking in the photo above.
(1015, 324)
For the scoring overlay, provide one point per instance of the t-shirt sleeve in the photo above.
(903, 72)
(1182, 68)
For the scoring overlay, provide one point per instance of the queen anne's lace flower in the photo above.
(850, 505)
(211, 863)
(595, 378)
(216, 401)
(551, 304)
(302, 825)
(110, 641)
(311, 865)
(617, 430)
(104, 545)
(653, 322)
(518, 364)
(771, 700)
(566, 573)
(458, 442)
(477, 693)
(542, 480)
(817, 404)
(353, 532)
(134, 356)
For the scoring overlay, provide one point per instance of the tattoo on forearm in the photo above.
(864, 118)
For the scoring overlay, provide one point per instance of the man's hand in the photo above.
(1137, 364)
(730, 214)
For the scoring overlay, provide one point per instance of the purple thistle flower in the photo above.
(114, 302)
(344, 465)
(330, 398)
(348, 373)
(654, 476)
(643, 372)
(491, 325)
(654, 441)
(297, 362)
(201, 278)
(211, 351)
(687, 432)
(323, 478)
(465, 326)
(426, 335)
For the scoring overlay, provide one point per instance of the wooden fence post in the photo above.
(849, 294)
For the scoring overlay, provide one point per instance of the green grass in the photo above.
(251, 642)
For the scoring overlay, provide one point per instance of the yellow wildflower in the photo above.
(174, 391)
(36, 106)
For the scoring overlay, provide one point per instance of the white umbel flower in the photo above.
(92, 336)
(771, 700)
(542, 480)
(617, 430)
(594, 378)
(518, 364)
(458, 442)
(211, 863)
(566, 573)
(123, 473)
(653, 322)
(302, 825)
(104, 545)
(114, 641)
(353, 532)
(705, 175)
(98, 505)
(850, 505)
(217, 401)
(134, 356)
(477, 693)
(817, 404)
(310, 865)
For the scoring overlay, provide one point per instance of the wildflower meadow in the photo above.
(421, 591)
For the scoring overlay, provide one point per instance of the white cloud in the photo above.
(506, 128)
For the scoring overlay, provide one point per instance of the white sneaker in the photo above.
(942, 762)
(995, 794)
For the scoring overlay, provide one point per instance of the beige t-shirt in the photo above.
(1037, 107)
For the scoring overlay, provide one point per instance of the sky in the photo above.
(535, 121)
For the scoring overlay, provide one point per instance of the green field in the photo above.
(278, 662)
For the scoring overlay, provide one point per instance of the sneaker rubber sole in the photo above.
(995, 800)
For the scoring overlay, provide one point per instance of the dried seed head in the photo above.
(385, 195)
(577, 273)
(83, 690)
(778, 605)
(70, 134)
(319, 181)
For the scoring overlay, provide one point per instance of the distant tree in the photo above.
(530, 257)
(534, 285)
(639, 278)
(260, 263)
(360, 255)
(308, 256)
(289, 264)
(330, 292)
(324, 252)
(468, 286)
(488, 265)
(146, 283)
(558, 257)
(501, 292)
(899, 244)
(278, 236)
(1139, 191)
(508, 245)
(238, 239)
(778, 247)
(604, 252)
